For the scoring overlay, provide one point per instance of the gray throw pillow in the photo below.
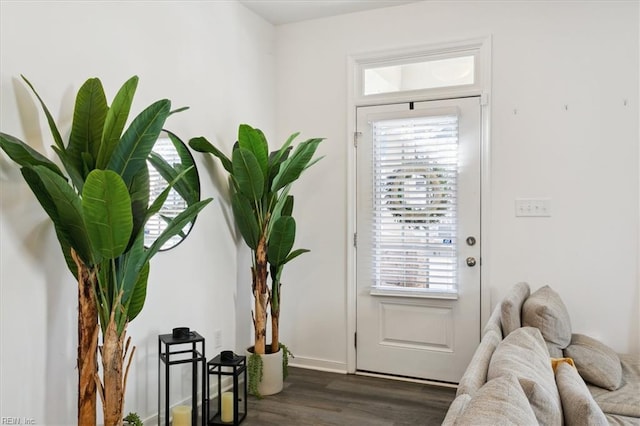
(511, 307)
(500, 401)
(597, 363)
(545, 311)
(523, 353)
(578, 405)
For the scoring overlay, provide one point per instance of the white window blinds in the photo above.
(415, 207)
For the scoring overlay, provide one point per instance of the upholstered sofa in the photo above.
(531, 369)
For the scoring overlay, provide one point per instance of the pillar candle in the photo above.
(226, 414)
(181, 415)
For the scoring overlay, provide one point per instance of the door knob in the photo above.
(471, 241)
(471, 261)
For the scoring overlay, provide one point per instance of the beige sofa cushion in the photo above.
(624, 401)
(596, 362)
(511, 307)
(476, 374)
(500, 401)
(618, 420)
(455, 409)
(545, 310)
(493, 323)
(578, 405)
(523, 353)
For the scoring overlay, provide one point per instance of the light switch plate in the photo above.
(533, 207)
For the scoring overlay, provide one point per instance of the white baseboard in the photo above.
(318, 364)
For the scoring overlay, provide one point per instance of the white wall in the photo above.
(215, 57)
(585, 158)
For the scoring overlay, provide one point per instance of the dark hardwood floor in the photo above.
(314, 398)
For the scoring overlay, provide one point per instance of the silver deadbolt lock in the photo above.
(471, 261)
(471, 241)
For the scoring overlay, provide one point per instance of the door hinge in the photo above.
(355, 340)
(356, 135)
(355, 239)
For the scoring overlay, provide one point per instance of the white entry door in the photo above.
(418, 238)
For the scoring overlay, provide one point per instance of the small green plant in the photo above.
(286, 353)
(255, 365)
(255, 374)
(133, 419)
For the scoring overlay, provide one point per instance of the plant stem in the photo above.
(87, 342)
(275, 315)
(112, 363)
(260, 296)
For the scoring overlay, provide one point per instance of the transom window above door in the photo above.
(442, 71)
(425, 74)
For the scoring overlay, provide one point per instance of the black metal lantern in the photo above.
(232, 404)
(179, 348)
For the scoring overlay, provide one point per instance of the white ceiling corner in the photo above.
(280, 12)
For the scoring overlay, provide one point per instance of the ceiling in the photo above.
(280, 12)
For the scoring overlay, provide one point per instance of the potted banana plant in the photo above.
(262, 207)
(99, 209)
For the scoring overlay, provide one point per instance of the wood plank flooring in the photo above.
(314, 398)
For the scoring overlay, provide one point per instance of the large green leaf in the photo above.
(191, 181)
(201, 144)
(44, 197)
(176, 226)
(115, 121)
(52, 124)
(76, 178)
(129, 266)
(139, 193)
(287, 210)
(23, 154)
(292, 167)
(247, 174)
(280, 155)
(277, 210)
(137, 299)
(59, 147)
(254, 140)
(169, 174)
(68, 208)
(132, 276)
(88, 123)
(159, 201)
(294, 254)
(107, 211)
(275, 161)
(246, 220)
(281, 240)
(138, 140)
(188, 186)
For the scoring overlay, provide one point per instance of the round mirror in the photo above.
(168, 159)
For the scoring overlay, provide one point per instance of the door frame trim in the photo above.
(483, 45)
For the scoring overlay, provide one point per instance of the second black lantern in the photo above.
(230, 407)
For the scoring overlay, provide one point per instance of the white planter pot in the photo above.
(272, 381)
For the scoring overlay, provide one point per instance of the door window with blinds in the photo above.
(414, 215)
